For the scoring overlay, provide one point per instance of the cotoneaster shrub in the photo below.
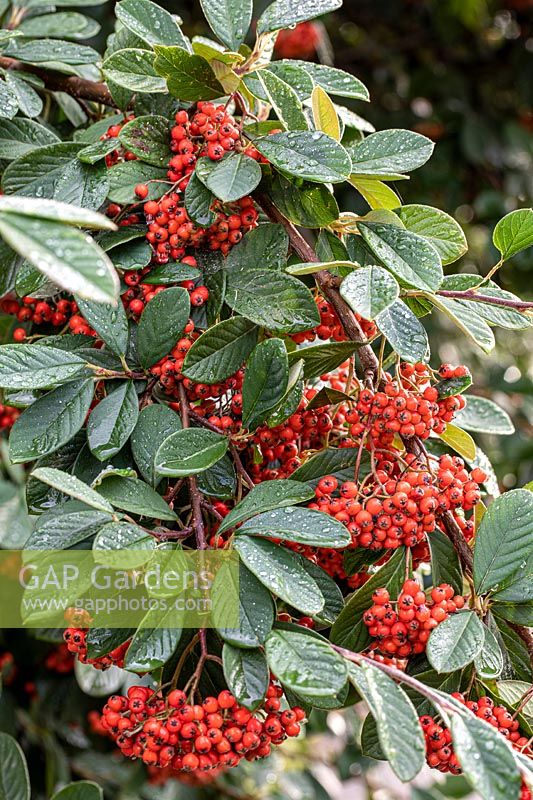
(229, 360)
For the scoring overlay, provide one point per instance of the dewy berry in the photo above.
(167, 731)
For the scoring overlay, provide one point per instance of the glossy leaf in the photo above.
(265, 381)
(155, 424)
(300, 525)
(150, 22)
(188, 76)
(304, 664)
(389, 152)
(265, 497)
(256, 609)
(284, 101)
(313, 156)
(404, 332)
(51, 421)
(514, 232)
(112, 421)
(482, 415)
(133, 69)
(455, 642)
(369, 290)
(161, 325)
(444, 233)
(71, 486)
(14, 777)
(109, 322)
(229, 20)
(246, 673)
(220, 351)
(24, 366)
(131, 494)
(189, 451)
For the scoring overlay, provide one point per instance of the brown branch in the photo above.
(469, 294)
(328, 284)
(57, 82)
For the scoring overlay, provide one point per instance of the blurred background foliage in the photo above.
(460, 72)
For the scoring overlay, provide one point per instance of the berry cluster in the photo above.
(404, 631)
(120, 153)
(440, 754)
(167, 731)
(8, 417)
(330, 326)
(392, 507)
(171, 231)
(407, 408)
(60, 660)
(76, 641)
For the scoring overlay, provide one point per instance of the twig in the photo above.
(57, 82)
(469, 294)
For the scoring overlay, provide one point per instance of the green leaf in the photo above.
(109, 322)
(305, 154)
(20, 136)
(349, 629)
(123, 179)
(188, 77)
(131, 494)
(389, 152)
(155, 424)
(305, 664)
(60, 24)
(41, 51)
(300, 525)
(310, 267)
(264, 248)
(256, 609)
(25, 366)
(150, 648)
(247, 674)
(453, 386)
(310, 205)
(455, 642)
(497, 315)
(404, 332)
(133, 69)
(486, 759)
(60, 532)
(489, 661)
(502, 549)
(467, 319)
(321, 358)
(333, 599)
(198, 201)
(369, 290)
(265, 381)
(326, 462)
(229, 20)
(292, 397)
(51, 421)
(412, 259)
(333, 81)
(284, 101)
(482, 415)
(376, 193)
(71, 486)
(220, 480)
(55, 172)
(294, 75)
(14, 778)
(514, 232)
(189, 451)
(148, 138)
(459, 440)
(275, 301)
(281, 572)
(444, 233)
(287, 13)
(161, 325)
(233, 177)
(150, 22)
(515, 650)
(264, 497)
(79, 790)
(445, 565)
(68, 257)
(220, 351)
(28, 100)
(121, 536)
(8, 101)
(171, 273)
(112, 421)
(400, 735)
